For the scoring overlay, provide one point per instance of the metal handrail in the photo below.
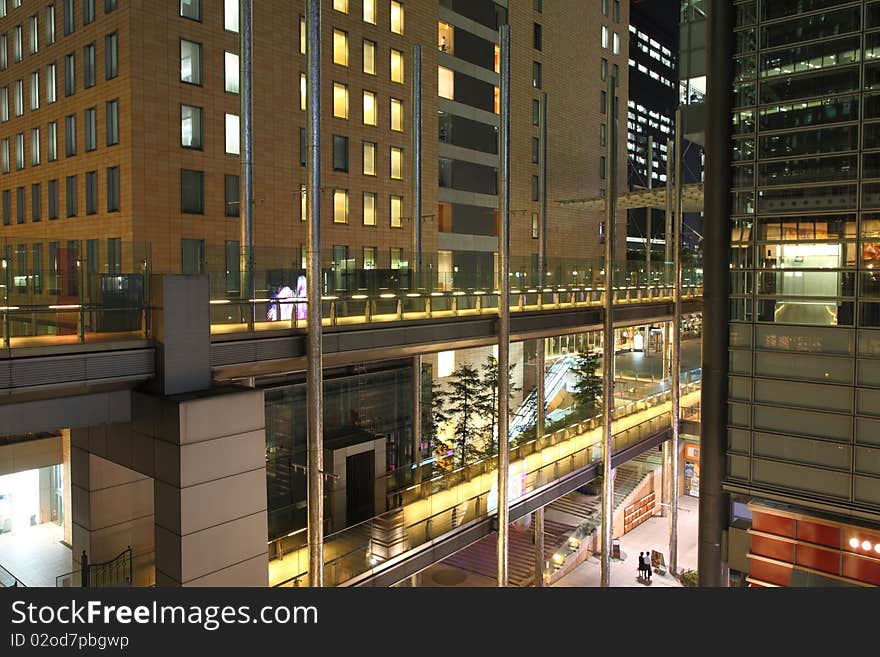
(15, 580)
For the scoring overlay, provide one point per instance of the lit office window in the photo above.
(50, 24)
(604, 37)
(190, 126)
(35, 90)
(369, 158)
(231, 61)
(230, 15)
(302, 35)
(16, 43)
(19, 97)
(396, 163)
(33, 35)
(396, 17)
(369, 257)
(396, 257)
(341, 5)
(446, 83)
(369, 57)
(233, 135)
(369, 209)
(191, 9)
(340, 47)
(35, 146)
(370, 11)
(396, 115)
(369, 108)
(616, 44)
(396, 211)
(190, 62)
(52, 141)
(302, 91)
(396, 66)
(340, 206)
(50, 83)
(340, 100)
(111, 112)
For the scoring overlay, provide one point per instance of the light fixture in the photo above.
(854, 542)
(866, 545)
(877, 548)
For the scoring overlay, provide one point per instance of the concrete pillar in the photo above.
(112, 509)
(210, 469)
(67, 520)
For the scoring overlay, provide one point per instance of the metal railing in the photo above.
(356, 549)
(113, 572)
(8, 580)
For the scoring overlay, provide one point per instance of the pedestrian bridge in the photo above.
(440, 516)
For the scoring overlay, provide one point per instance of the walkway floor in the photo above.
(653, 534)
(36, 554)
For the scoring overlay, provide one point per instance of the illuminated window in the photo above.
(303, 203)
(497, 66)
(369, 158)
(341, 5)
(446, 83)
(604, 37)
(340, 206)
(230, 15)
(445, 364)
(396, 17)
(446, 38)
(302, 35)
(369, 209)
(396, 115)
(369, 257)
(396, 163)
(190, 62)
(302, 91)
(396, 66)
(231, 72)
(369, 57)
(232, 135)
(616, 44)
(497, 100)
(190, 126)
(340, 100)
(396, 257)
(370, 11)
(340, 48)
(369, 108)
(396, 211)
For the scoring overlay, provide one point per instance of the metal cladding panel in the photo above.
(46, 371)
(118, 364)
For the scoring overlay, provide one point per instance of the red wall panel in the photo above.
(818, 559)
(772, 524)
(775, 549)
(814, 532)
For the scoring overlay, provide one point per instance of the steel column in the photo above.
(650, 160)
(416, 137)
(417, 416)
(716, 272)
(504, 314)
(246, 204)
(314, 373)
(539, 547)
(608, 337)
(676, 346)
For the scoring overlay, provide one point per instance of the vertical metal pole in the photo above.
(650, 210)
(539, 547)
(676, 347)
(667, 234)
(314, 373)
(608, 339)
(542, 174)
(417, 416)
(504, 315)
(716, 256)
(247, 142)
(416, 135)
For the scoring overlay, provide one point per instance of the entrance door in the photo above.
(360, 481)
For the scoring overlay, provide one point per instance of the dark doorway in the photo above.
(360, 481)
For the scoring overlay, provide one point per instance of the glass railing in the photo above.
(393, 290)
(435, 507)
(67, 292)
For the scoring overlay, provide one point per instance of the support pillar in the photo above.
(539, 547)
(676, 345)
(417, 417)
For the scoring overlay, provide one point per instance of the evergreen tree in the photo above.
(464, 401)
(588, 389)
(434, 413)
(488, 406)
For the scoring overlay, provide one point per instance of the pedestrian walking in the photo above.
(641, 564)
(648, 571)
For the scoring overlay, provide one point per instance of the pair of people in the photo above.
(645, 565)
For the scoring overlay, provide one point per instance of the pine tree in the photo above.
(488, 406)
(434, 413)
(464, 401)
(588, 389)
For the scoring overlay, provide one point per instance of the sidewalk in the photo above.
(652, 534)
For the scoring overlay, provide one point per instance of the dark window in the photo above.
(88, 11)
(111, 56)
(616, 11)
(192, 254)
(52, 194)
(233, 192)
(69, 18)
(536, 146)
(603, 69)
(91, 192)
(233, 267)
(70, 135)
(536, 75)
(36, 202)
(89, 66)
(69, 74)
(536, 112)
(303, 146)
(602, 167)
(21, 267)
(603, 131)
(92, 256)
(20, 203)
(340, 153)
(109, 5)
(113, 189)
(7, 207)
(539, 5)
(192, 191)
(534, 188)
(114, 255)
(603, 102)
(37, 264)
(70, 196)
(112, 119)
(537, 37)
(53, 268)
(91, 128)
(191, 9)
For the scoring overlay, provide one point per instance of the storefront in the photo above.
(692, 469)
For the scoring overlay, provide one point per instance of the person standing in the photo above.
(648, 571)
(641, 564)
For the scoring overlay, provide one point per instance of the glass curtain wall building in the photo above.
(804, 362)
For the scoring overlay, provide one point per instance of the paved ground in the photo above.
(653, 534)
(35, 554)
